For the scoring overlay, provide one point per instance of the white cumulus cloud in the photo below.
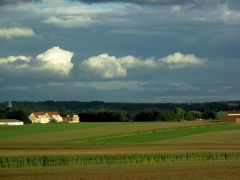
(107, 66)
(9, 33)
(55, 62)
(134, 62)
(56, 59)
(179, 60)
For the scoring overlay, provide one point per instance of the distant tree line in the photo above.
(118, 112)
(15, 114)
(103, 116)
(132, 108)
(147, 115)
(177, 115)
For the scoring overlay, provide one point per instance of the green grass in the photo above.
(94, 136)
(57, 132)
(157, 135)
(87, 134)
(32, 129)
(217, 137)
(35, 129)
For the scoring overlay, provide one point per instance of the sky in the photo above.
(154, 51)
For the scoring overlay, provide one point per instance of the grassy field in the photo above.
(67, 135)
(99, 138)
(204, 142)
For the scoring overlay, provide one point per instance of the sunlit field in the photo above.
(111, 147)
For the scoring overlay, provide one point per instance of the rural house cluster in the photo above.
(40, 117)
(51, 117)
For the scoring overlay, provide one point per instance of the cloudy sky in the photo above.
(120, 50)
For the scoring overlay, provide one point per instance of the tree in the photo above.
(189, 116)
(220, 115)
(209, 114)
(179, 113)
(20, 115)
(103, 116)
(155, 115)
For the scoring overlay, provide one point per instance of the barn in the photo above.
(11, 122)
(232, 116)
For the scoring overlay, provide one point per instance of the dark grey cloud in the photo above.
(206, 28)
(163, 2)
(4, 2)
(198, 3)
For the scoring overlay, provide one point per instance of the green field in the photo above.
(136, 145)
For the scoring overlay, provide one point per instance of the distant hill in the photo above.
(76, 106)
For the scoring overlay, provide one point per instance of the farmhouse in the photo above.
(39, 117)
(73, 118)
(11, 122)
(232, 116)
(54, 117)
(45, 117)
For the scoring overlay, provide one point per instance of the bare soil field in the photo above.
(178, 170)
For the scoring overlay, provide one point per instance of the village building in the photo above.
(73, 118)
(231, 116)
(45, 117)
(39, 117)
(54, 117)
(11, 122)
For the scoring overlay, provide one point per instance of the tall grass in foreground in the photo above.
(52, 160)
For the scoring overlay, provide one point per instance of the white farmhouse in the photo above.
(39, 117)
(54, 117)
(45, 117)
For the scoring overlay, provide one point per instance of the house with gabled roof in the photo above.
(45, 117)
(39, 117)
(54, 117)
(71, 118)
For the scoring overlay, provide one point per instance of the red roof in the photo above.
(38, 114)
(53, 113)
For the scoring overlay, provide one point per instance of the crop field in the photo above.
(189, 147)
(69, 135)
(228, 170)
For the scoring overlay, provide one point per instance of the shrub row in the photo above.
(52, 160)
